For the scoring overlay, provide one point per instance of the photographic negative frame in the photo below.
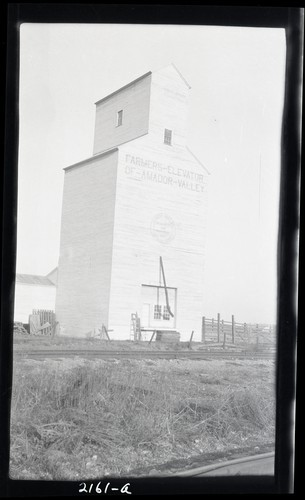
(289, 223)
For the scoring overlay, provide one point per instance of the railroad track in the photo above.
(246, 460)
(261, 465)
(102, 354)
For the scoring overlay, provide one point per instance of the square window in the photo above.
(166, 313)
(119, 118)
(157, 312)
(167, 137)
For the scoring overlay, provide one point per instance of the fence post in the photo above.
(139, 328)
(224, 334)
(203, 330)
(233, 329)
(154, 333)
(55, 329)
(190, 342)
(104, 329)
(245, 333)
(218, 327)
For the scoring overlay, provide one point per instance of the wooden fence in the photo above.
(39, 318)
(221, 332)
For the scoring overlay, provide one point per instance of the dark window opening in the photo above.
(167, 137)
(166, 313)
(119, 118)
(157, 312)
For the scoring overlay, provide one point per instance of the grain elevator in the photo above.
(140, 197)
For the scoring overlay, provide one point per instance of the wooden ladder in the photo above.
(135, 330)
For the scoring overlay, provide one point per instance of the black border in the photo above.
(291, 19)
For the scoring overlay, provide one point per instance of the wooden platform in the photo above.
(168, 336)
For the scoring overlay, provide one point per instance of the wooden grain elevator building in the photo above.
(141, 196)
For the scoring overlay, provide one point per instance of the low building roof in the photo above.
(92, 158)
(33, 279)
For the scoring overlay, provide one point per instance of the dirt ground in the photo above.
(45, 342)
(26, 342)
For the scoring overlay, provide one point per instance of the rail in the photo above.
(262, 464)
(141, 354)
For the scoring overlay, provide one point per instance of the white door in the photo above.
(155, 313)
(145, 316)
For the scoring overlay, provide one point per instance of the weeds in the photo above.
(122, 413)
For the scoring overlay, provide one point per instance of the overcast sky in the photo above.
(237, 77)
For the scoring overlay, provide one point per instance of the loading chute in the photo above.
(165, 288)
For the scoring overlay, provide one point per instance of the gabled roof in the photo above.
(181, 76)
(124, 87)
(53, 271)
(52, 275)
(141, 78)
(33, 279)
(116, 148)
(198, 161)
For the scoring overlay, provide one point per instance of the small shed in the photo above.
(33, 292)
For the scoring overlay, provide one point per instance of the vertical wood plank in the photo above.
(256, 332)
(224, 334)
(151, 338)
(203, 330)
(191, 338)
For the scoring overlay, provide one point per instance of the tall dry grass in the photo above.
(115, 407)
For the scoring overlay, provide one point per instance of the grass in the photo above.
(86, 419)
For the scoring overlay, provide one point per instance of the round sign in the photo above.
(163, 228)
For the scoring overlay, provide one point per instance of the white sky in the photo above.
(237, 78)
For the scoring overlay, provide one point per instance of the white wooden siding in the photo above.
(122, 211)
(86, 245)
(136, 250)
(29, 297)
(134, 102)
(168, 106)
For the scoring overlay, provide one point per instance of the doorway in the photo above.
(154, 313)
